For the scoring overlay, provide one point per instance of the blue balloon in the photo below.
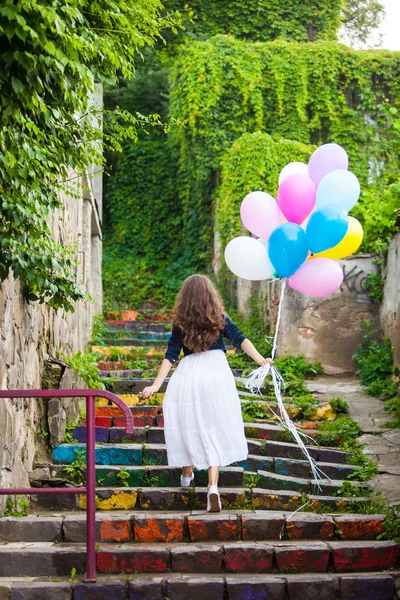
(338, 187)
(326, 228)
(287, 248)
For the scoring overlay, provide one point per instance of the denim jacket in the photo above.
(230, 331)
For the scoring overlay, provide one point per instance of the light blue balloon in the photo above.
(287, 248)
(326, 228)
(338, 187)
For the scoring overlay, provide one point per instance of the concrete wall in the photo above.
(390, 307)
(31, 336)
(323, 329)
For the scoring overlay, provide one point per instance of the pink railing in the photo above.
(90, 489)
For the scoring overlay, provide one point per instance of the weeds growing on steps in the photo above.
(77, 469)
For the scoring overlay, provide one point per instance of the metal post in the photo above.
(90, 575)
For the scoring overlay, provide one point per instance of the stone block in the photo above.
(132, 559)
(21, 560)
(255, 447)
(364, 556)
(292, 467)
(254, 463)
(255, 588)
(108, 530)
(41, 590)
(279, 500)
(312, 587)
(197, 559)
(195, 588)
(228, 477)
(310, 527)
(337, 470)
(286, 450)
(273, 481)
(118, 435)
(101, 434)
(155, 455)
(39, 473)
(103, 421)
(109, 476)
(160, 420)
(328, 455)
(99, 591)
(263, 525)
(160, 476)
(138, 421)
(248, 557)
(263, 432)
(213, 527)
(373, 587)
(105, 455)
(360, 527)
(306, 557)
(148, 589)
(163, 499)
(165, 528)
(30, 529)
(155, 435)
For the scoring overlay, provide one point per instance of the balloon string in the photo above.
(254, 382)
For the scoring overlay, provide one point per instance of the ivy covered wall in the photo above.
(308, 93)
(245, 109)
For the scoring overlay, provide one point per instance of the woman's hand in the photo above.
(149, 391)
(266, 361)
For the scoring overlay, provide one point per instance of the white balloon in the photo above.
(247, 258)
(292, 169)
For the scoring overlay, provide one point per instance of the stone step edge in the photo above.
(226, 557)
(190, 526)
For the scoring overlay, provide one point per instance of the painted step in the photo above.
(232, 586)
(195, 498)
(126, 526)
(137, 454)
(327, 487)
(50, 559)
(153, 476)
(296, 468)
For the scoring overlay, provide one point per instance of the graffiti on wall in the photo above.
(354, 279)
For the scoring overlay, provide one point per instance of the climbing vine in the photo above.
(308, 93)
(52, 55)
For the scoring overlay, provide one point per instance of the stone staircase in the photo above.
(156, 540)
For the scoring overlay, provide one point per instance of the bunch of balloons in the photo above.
(302, 234)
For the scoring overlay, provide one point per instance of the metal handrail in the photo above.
(90, 489)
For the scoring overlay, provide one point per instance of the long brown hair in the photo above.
(199, 313)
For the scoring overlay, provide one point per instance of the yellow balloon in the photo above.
(349, 244)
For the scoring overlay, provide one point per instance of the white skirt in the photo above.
(203, 422)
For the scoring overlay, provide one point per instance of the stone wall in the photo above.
(323, 329)
(390, 307)
(31, 337)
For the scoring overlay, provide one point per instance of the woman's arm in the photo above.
(159, 380)
(249, 348)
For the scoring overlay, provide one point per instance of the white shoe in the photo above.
(213, 500)
(186, 481)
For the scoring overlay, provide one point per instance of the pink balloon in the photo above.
(296, 197)
(327, 158)
(318, 277)
(260, 214)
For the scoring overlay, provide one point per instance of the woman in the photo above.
(203, 422)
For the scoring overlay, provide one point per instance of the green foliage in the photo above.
(261, 20)
(68, 439)
(307, 404)
(348, 490)
(392, 407)
(123, 478)
(99, 330)
(225, 88)
(374, 283)
(391, 525)
(16, 508)
(85, 365)
(52, 55)
(339, 405)
(143, 236)
(336, 433)
(77, 469)
(297, 368)
(375, 362)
